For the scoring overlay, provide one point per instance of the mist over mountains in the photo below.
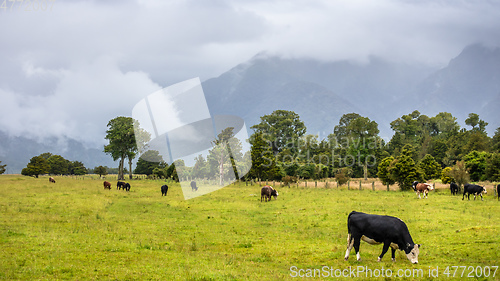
(321, 92)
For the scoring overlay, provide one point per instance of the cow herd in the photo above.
(390, 231)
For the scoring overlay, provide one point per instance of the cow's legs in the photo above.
(357, 240)
(350, 244)
(393, 253)
(384, 250)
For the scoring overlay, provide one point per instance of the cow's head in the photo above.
(412, 252)
(274, 193)
(484, 190)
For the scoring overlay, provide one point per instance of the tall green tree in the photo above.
(282, 129)
(223, 156)
(475, 162)
(200, 168)
(122, 141)
(358, 135)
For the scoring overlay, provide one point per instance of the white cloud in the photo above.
(70, 70)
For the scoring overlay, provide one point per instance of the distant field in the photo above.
(74, 229)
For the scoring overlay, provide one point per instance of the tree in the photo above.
(37, 166)
(282, 129)
(446, 176)
(459, 173)
(2, 168)
(404, 171)
(473, 121)
(223, 156)
(475, 162)
(430, 167)
(154, 160)
(122, 141)
(200, 168)
(263, 164)
(492, 169)
(101, 171)
(384, 169)
(77, 168)
(358, 136)
(58, 165)
(495, 141)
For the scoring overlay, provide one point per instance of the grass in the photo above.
(75, 229)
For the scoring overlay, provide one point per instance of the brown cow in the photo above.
(266, 192)
(107, 185)
(51, 179)
(423, 188)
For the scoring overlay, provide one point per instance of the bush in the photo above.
(287, 180)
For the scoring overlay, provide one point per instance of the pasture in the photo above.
(75, 229)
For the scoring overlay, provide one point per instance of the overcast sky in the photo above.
(68, 70)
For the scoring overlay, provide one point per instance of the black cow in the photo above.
(120, 185)
(473, 189)
(266, 192)
(453, 188)
(127, 186)
(164, 189)
(193, 186)
(498, 192)
(376, 229)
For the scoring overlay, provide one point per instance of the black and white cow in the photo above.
(267, 192)
(127, 186)
(376, 229)
(453, 188)
(473, 189)
(164, 190)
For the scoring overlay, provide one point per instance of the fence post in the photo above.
(306, 183)
(373, 185)
(360, 188)
(387, 187)
(315, 183)
(348, 185)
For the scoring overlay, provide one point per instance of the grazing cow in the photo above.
(193, 186)
(376, 229)
(164, 189)
(107, 185)
(473, 189)
(423, 188)
(51, 179)
(266, 192)
(120, 185)
(453, 188)
(498, 192)
(127, 186)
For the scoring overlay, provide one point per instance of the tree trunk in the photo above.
(120, 169)
(130, 168)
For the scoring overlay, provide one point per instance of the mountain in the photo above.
(470, 83)
(16, 152)
(321, 92)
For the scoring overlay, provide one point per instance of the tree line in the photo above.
(422, 148)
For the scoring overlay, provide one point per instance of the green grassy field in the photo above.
(75, 229)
